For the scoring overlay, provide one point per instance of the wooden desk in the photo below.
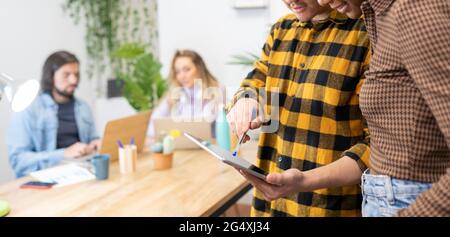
(197, 185)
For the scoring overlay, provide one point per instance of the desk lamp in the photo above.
(20, 95)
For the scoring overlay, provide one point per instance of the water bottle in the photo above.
(223, 130)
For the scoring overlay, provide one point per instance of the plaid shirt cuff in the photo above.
(243, 92)
(360, 153)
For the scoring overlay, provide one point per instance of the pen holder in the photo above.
(162, 161)
(127, 159)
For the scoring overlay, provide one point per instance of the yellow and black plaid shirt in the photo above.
(316, 69)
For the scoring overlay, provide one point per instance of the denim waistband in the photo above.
(385, 186)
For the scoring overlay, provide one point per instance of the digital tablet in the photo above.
(227, 157)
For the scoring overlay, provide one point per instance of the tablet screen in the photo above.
(227, 157)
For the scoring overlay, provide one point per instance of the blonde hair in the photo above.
(208, 80)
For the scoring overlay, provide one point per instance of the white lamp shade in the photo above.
(19, 94)
(24, 95)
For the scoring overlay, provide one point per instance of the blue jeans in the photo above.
(384, 196)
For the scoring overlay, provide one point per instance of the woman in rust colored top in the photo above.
(406, 101)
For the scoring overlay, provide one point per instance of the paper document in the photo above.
(63, 175)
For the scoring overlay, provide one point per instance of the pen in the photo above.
(132, 141)
(236, 149)
(120, 143)
(241, 139)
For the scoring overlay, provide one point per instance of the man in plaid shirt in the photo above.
(312, 64)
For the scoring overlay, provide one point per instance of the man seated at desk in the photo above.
(56, 125)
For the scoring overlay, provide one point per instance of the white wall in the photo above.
(30, 31)
(217, 31)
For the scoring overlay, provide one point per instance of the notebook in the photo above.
(64, 175)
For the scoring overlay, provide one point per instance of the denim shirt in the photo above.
(31, 136)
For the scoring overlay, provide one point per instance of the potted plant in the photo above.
(162, 150)
(140, 72)
(109, 24)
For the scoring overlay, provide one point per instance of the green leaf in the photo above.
(144, 85)
(129, 51)
(136, 96)
(247, 59)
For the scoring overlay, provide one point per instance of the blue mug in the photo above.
(101, 166)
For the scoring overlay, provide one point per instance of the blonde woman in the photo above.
(194, 93)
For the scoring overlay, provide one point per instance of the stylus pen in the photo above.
(236, 149)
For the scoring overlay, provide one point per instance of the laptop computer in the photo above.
(200, 129)
(123, 129)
